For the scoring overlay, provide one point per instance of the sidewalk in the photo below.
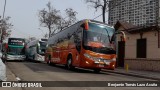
(10, 75)
(137, 73)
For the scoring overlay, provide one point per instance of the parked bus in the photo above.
(35, 50)
(86, 44)
(15, 49)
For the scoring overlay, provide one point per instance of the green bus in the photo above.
(15, 49)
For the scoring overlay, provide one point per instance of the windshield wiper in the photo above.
(108, 36)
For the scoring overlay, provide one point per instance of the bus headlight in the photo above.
(87, 56)
(97, 59)
(114, 59)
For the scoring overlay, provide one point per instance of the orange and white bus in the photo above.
(86, 44)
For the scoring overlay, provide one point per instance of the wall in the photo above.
(152, 44)
(152, 61)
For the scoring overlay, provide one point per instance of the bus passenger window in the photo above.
(77, 39)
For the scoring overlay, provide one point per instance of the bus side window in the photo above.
(77, 39)
(37, 48)
(68, 36)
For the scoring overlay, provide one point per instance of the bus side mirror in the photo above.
(85, 26)
(123, 35)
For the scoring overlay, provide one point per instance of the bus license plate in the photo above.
(100, 65)
(107, 63)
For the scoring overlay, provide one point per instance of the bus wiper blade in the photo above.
(108, 35)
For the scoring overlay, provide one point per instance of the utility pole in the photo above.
(1, 31)
(4, 8)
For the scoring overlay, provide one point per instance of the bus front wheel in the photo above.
(69, 64)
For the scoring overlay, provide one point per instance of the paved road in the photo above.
(34, 71)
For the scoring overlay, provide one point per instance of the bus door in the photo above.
(78, 40)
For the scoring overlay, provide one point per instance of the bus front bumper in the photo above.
(100, 65)
(104, 64)
(15, 57)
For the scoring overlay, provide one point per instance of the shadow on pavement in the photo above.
(42, 67)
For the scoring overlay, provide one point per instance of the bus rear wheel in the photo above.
(49, 62)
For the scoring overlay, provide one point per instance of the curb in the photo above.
(133, 74)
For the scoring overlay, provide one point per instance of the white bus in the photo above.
(35, 50)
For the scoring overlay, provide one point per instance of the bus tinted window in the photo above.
(16, 46)
(42, 46)
(16, 50)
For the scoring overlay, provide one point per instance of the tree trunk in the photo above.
(1, 36)
(104, 10)
(49, 27)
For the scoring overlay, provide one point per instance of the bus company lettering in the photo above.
(18, 41)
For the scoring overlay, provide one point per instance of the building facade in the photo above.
(137, 12)
(141, 51)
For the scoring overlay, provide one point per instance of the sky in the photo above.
(24, 14)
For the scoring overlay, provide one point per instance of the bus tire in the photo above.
(69, 64)
(49, 62)
(26, 57)
(97, 70)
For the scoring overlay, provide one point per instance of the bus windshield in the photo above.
(12, 50)
(98, 38)
(16, 46)
(42, 47)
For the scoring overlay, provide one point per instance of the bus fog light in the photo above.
(87, 62)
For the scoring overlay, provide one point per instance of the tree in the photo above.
(53, 21)
(45, 36)
(5, 28)
(68, 20)
(49, 18)
(103, 4)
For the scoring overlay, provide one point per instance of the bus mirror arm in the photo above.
(122, 33)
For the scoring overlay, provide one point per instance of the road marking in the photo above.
(18, 79)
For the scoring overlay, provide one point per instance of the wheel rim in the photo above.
(69, 63)
(49, 62)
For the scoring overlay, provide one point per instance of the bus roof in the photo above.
(33, 42)
(66, 31)
(16, 38)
